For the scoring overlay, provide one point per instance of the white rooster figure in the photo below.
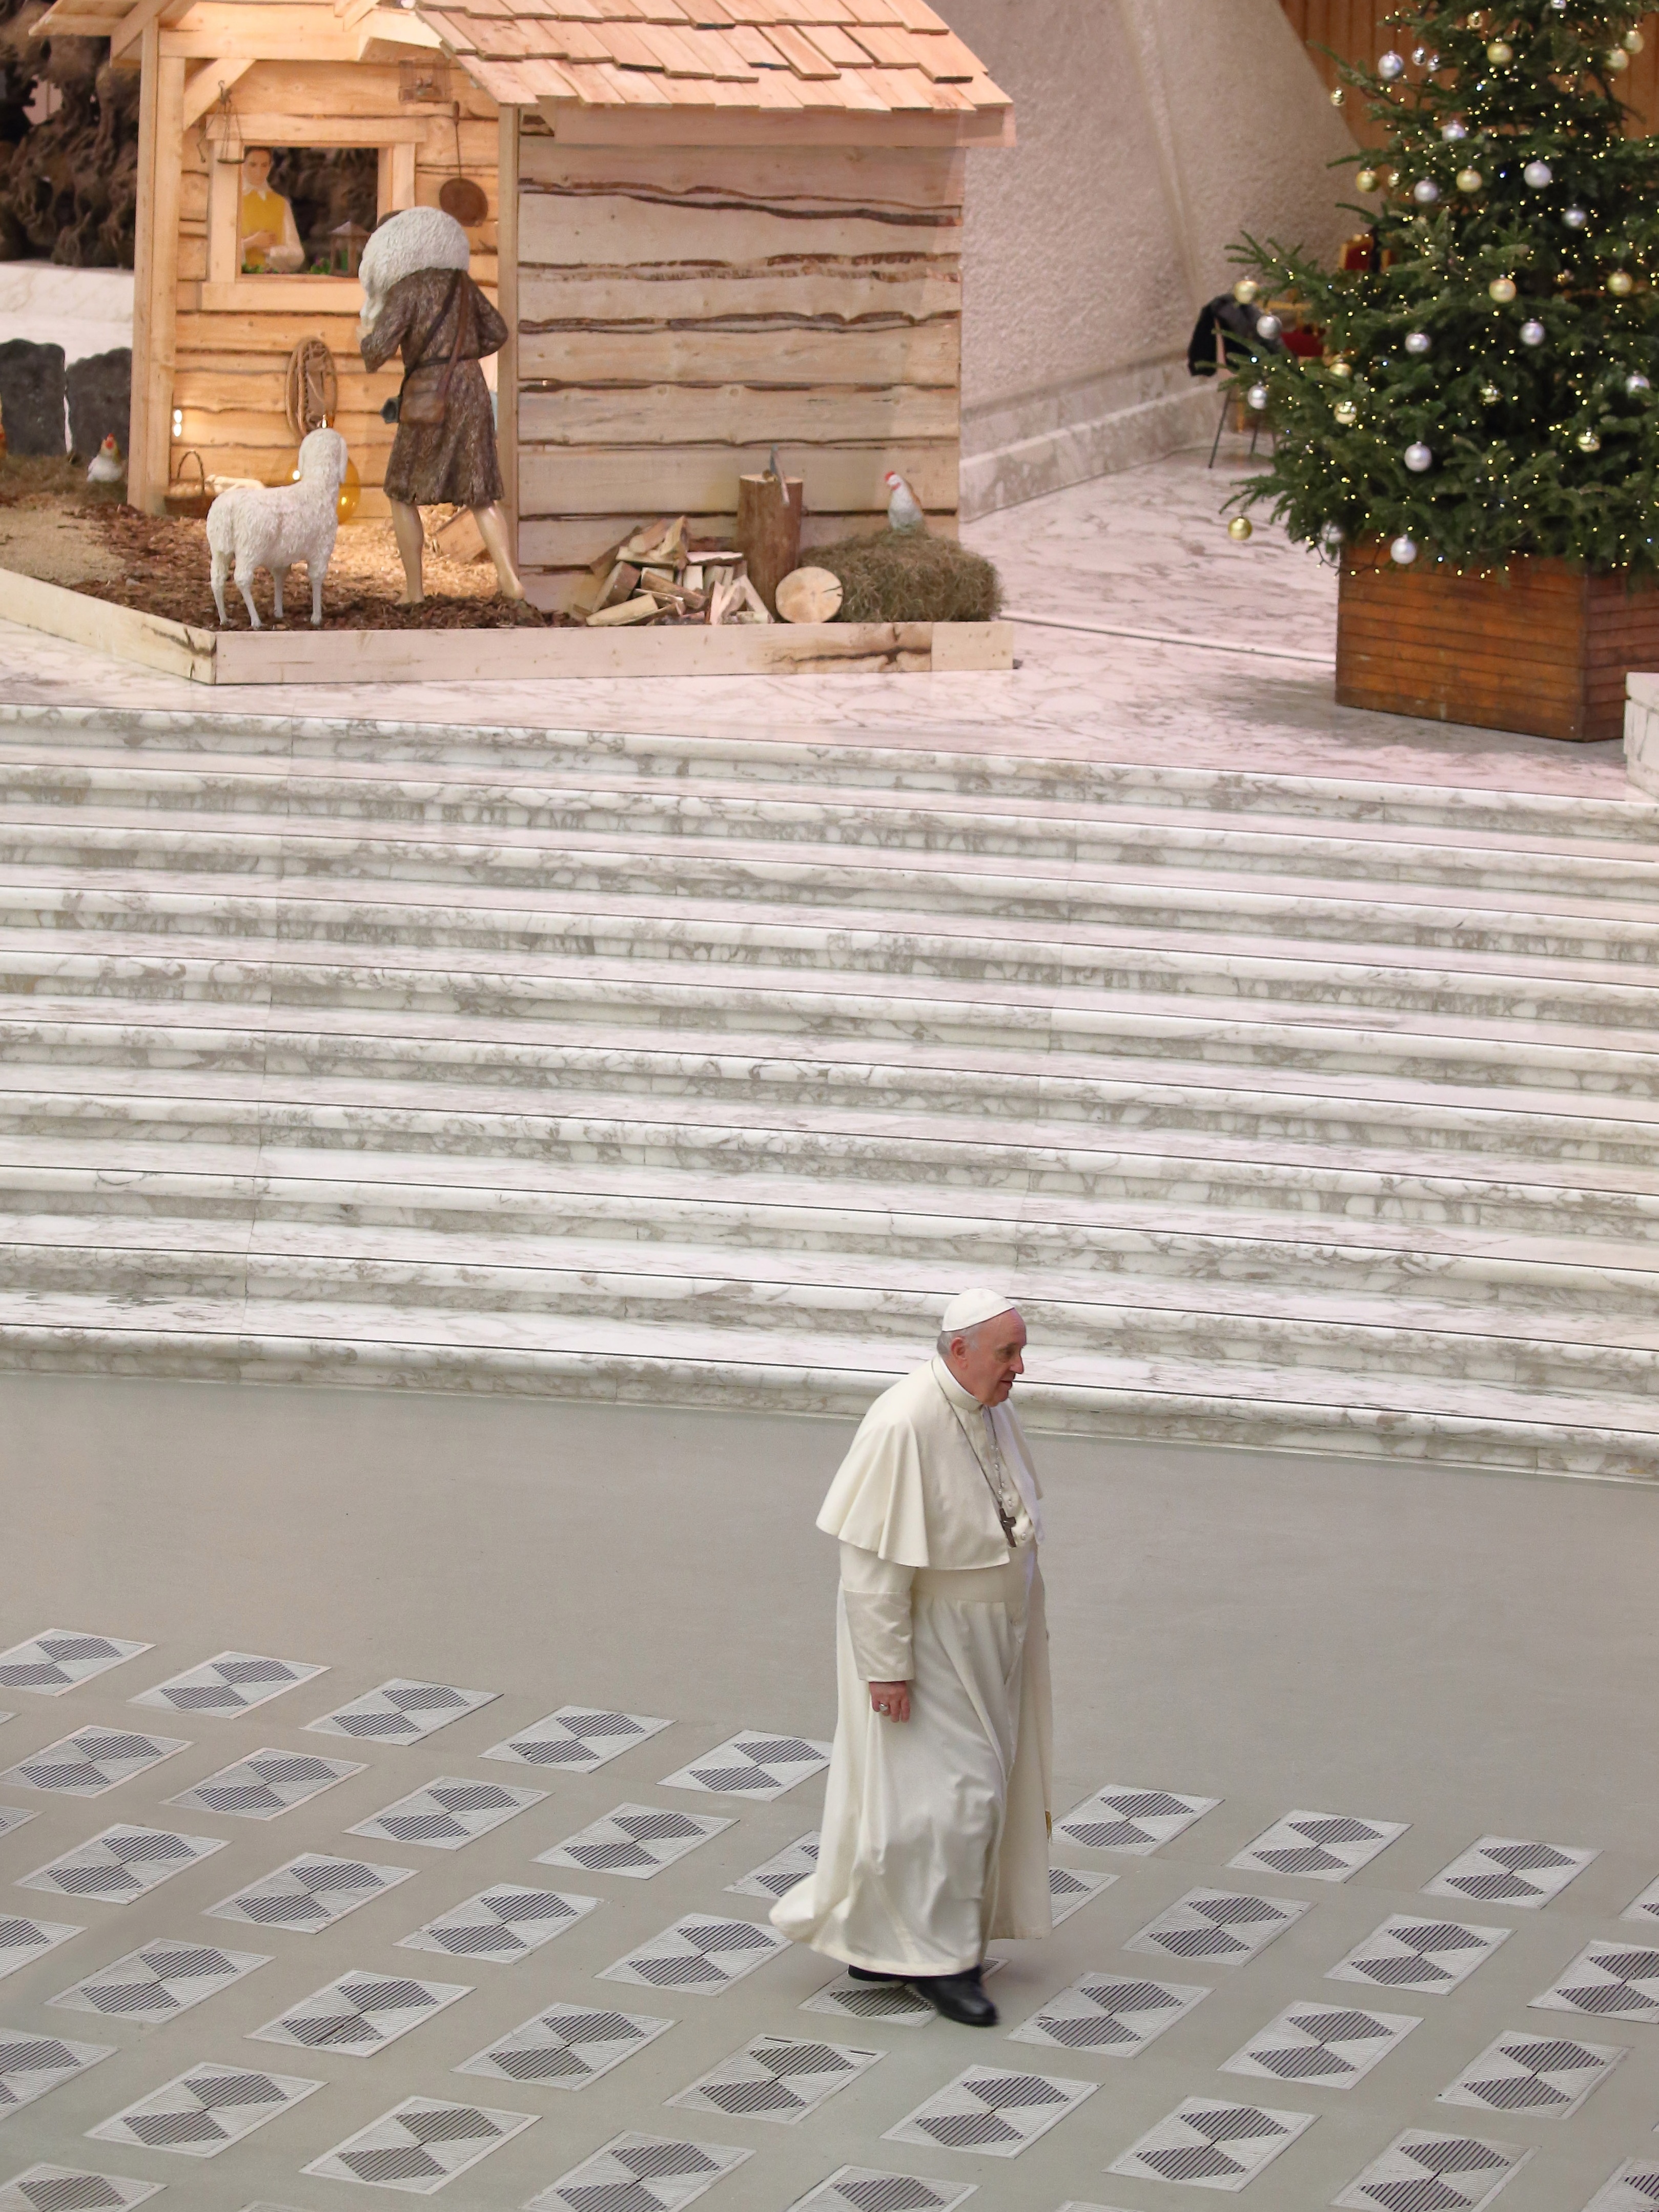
(904, 512)
(106, 465)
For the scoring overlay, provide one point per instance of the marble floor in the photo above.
(1182, 647)
(402, 1766)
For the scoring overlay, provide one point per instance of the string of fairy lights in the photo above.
(1484, 386)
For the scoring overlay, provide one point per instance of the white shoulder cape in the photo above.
(912, 1490)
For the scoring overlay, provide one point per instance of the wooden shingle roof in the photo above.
(867, 57)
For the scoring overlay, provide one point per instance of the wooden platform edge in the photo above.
(122, 633)
(473, 656)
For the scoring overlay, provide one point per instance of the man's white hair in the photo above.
(947, 1337)
(414, 238)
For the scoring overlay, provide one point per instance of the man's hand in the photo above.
(891, 1700)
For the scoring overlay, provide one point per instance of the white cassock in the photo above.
(935, 1829)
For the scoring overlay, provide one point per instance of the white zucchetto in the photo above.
(969, 1308)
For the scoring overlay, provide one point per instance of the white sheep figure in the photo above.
(272, 525)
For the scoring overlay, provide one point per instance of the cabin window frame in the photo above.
(395, 139)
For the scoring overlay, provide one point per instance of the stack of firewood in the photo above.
(661, 573)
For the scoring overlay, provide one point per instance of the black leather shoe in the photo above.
(958, 1997)
(869, 1974)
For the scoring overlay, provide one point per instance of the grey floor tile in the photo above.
(266, 1782)
(204, 2111)
(58, 1658)
(773, 1876)
(310, 1893)
(360, 2013)
(420, 2144)
(92, 1760)
(1330, 2047)
(1070, 1889)
(991, 2110)
(1219, 1927)
(1611, 1981)
(863, 2189)
(1212, 2143)
(1507, 1871)
(752, 1764)
(12, 1817)
(32, 2065)
(23, 1940)
(159, 1980)
(501, 1924)
(1427, 1957)
(891, 2004)
(701, 1952)
(1422, 2171)
(448, 1813)
(1644, 1907)
(635, 1840)
(781, 2078)
(640, 2173)
(402, 1712)
(122, 1862)
(577, 1739)
(1633, 2188)
(1546, 2077)
(1319, 1846)
(566, 2046)
(72, 2189)
(1118, 1818)
(234, 1682)
(1110, 2014)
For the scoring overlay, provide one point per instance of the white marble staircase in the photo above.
(1297, 1113)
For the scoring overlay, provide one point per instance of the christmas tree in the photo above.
(1486, 385)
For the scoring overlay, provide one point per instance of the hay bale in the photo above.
(904, 576)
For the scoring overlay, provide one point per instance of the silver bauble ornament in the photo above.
(1268, 326)
(1634, 42)
(1574, 217)
(1636, 384)
(1616, 60)
(1532, 334)
(1587, 442)
(1391, 67)
(1417, 341)
(1418, 458)
(1332, 534)
(1537, 174)
(1490, 395)
(1425, 192)
(1258, 396)
(1403, 551)
(1501, 289)
(1453, 131)
(1469, 180)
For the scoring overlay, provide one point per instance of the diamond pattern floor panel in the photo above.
(265, 1783)
(122, 1862)
(57, 1659)
(32, 2066)
(1319, 1846)
(567, 2046)
(402, 1712)
(420, 2144)
(636, 1840)
(640, 2173)
(22, 1941)
(361, 2012)
(777, 2077)
(701, 1953)
(862, 2189)
(1121, 1818)
(1112, 2015)
(310, 1893)
(234, 1682)
(501, 1924)
(1644, 1907)
(773, 1876)
(1070, 1890)
(1427, 1957)
(12, 1817)
(1546, 2077)
(203, 2111)
(577, 1739)
(888, 2004)
(92, 1760)
(991, 2111)
(1218, 1926)
(1611, 1981)
(1420, 2172)
(1330, 2047)
(72, 2189)
(1503, 1870)
(753, 1765)
(159, 1980)
(1212, 2144)
(1633, 2188)
(448, 1813)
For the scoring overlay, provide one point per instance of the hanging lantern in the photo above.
(222, 128)
(345, 248)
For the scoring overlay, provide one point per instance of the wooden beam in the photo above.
(203, 90)
(507, 283)
(142, 490)
(574, 124)
(164, 309)
(133, 25)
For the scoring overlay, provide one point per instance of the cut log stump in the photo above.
(769, 531)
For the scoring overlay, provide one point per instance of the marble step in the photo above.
(1171, 1401)
(1520, 861)
(280, 745)
(391, 877)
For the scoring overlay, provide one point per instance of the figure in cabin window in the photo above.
(271, 237)
(418, 297)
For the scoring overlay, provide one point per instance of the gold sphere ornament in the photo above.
(1634, 42)
(1469, 180)
(1342, 368)
(351, 493)
(1500, 54)
(1616, 59)
(1474, 21)
(1501, 289)
(1240, 528)
(1365, 180)
(1245, 291)
(1621, 283)
(1490, 395)
(1587, 442)
(1346, 413)
(1339, 97)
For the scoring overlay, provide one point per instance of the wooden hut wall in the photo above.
(231, 360)
(681, 310)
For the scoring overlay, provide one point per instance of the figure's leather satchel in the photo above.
(423, 398)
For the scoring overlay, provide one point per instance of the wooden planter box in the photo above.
(1538, 646)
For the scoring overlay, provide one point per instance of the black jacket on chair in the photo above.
(1234, 324)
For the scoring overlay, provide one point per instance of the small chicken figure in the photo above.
(903, 509)
(107, 466)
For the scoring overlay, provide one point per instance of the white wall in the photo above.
(82, 310)
(1151, 133)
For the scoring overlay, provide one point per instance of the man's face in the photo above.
(987, 1360)
(256, 169)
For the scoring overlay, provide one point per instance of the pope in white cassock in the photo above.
(936, 1821)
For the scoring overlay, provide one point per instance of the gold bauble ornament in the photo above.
(1502, 289)
(1365, 180)
(351, 493)
(1474, 21)
(1342, 368)
(1621, 283)
(1245, 291)
(1338, 97)
(1469, 180)
(1500, 54)
(1346, 413)
(1587, 442)
(1634, 42)
(1616, 59)
(1240, 528)
(1490, 395)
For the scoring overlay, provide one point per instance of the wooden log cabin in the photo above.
(714, 226)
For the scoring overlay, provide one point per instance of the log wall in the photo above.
(230, 361)
(681, 310)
